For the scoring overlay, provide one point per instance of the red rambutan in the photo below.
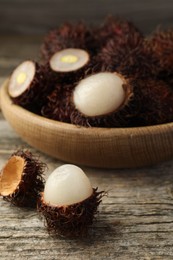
(78, 36)
(29, 85)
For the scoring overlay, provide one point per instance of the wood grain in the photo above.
(31, 16)
(135, 220)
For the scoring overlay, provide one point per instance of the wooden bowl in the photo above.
(98, 147)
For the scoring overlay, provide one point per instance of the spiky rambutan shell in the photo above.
(132, 62)
(21, 179)
(120, 117)
(169, 80)
(73, 220)
(33, 96)
(58, 106)
(156, 98)
(68, 36)
(120, 30)
(160, 43)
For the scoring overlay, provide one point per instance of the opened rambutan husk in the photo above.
(68, 36)
(21, 179)
(120, 30)
(73, 220)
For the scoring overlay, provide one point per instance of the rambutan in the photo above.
(21, 179)
(69, 203)
(121, 31)
(131, 62)
(102, 100)
(58, 105)
(156, 99)
(78, 36)
(29, 85)
(160, 43)
(68, 65)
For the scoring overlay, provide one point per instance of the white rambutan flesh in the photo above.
(99, 94)
(69, 60)
(67, 185)
(21, 78)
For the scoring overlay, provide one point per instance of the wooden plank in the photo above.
(135, 220)
(38, 16)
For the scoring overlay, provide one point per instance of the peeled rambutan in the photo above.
(102, 100)
(78, 36)
(29, 85)
(69, 203)
(21, 179)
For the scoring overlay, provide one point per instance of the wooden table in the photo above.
(135, 220)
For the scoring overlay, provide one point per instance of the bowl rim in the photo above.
(71, 127)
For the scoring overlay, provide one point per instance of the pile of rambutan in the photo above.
(106, 76)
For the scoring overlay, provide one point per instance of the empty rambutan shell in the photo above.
(29, 85)
(21, 179)
(69, 203)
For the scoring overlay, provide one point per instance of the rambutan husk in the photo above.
(130, 61)
(21, 179)
(58, 106)
(73, 220)
(122, 31)
(156, 98)
(35, 95)
(68, 35)
(160, 43)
